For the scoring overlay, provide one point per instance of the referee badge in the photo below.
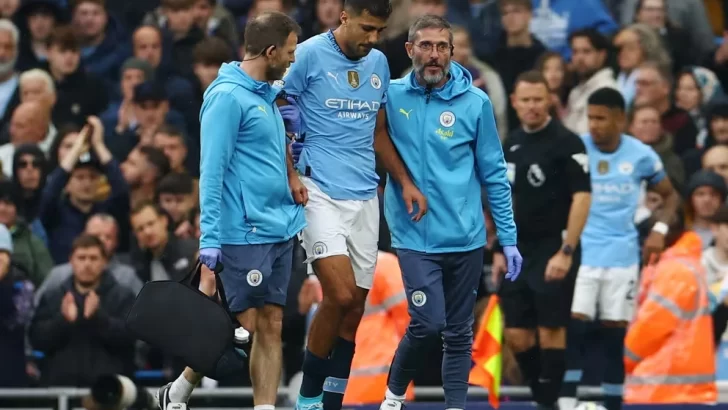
(353, 78)
(255, 277)
(602, 167)
(419, 298)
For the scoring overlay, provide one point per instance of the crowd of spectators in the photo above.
(99, 142)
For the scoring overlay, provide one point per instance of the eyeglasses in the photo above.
(28, 164)
(427, 47)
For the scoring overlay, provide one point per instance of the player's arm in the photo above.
(491, 167)
(387, 153)
(660, 183)
(577, 171)
(220, 119)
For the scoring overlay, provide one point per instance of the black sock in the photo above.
(574, 342)
(315, 370)
(614, 370)
(553, 364)
(339, 368)
(529, 362)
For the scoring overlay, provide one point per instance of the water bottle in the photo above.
(309, 319)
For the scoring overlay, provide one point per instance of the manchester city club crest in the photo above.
(603, 167)
(419, 298)
(376, 82)
(255, 277)
(447, 119)
(353, 78)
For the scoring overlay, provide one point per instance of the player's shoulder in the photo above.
(377, 56)
(312, 45)
(635, 147)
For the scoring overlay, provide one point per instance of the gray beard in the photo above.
(8, 66)
(432, 79)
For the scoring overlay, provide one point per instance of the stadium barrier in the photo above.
(476, 396)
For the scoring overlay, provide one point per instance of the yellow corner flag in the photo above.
(487, 353)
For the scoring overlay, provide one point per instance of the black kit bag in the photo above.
(179, 319)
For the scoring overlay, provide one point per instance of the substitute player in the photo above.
(250, 207)
(548, 169)
(608, 277)
(340, 83)
(445, 131)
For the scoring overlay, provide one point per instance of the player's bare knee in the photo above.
(351, 322)
(247, 320)
(580, 316)
(520, 340)
(269, 321)
(552, 337)
(614, 323)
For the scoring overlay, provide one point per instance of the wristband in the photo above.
(661, 228)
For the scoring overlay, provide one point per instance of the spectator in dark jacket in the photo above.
(120, 112)
(104, 41)
(64, 215)
(16, 309)
(78, 94)
(36, 19)
(30, 170)
(80, 325)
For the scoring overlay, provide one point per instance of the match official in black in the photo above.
(549, 171)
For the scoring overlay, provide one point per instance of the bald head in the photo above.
(716, 160)
(147, 44)
(29, 124)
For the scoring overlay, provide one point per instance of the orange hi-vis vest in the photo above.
(669, 355)
(487, 352)
(382, 327)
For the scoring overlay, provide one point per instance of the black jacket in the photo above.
(178, 258)
(79, 352)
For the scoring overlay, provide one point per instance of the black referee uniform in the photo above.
(544, 176)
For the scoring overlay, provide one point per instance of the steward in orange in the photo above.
(669, 354)
(382, 326)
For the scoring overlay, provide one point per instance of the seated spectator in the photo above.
(705, 194)
(104, 41)
(9, 92)
(37, 85)
(653, 13)
(695, 89)
(80, 94)
(30, 169)
(208, 56)
(40, 17)
(151, 45)
(645, 125)
(717, 135)
(553, 68)
(173, 143)
(637, 44)
(715, 159)
(30, 125)
(327, 16)
(119, 115)
(161, 256)
(16, 310)
(151, 110)
(104, 227)
(30, 253)
(176, 197)
(8, 8)
(214, 20)
(80, 324)
(715, 258)
(142, 171)
(70, 196)
(653, 86)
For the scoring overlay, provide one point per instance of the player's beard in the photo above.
(431, 79)
(274, 72)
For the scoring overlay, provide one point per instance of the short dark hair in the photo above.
(523, 3)
(173, 131)
(428, 21)
(86, 241)
(177, 5)
(176, 183)
(142, 206)
(270, 28)
(607, 97)
(212, 51)
(157, 159)
(64, 38)
(376, 8)
(597, 39)
(531, 77)
(76, 3)
(660, 69)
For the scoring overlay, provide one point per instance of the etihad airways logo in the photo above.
(353, 109)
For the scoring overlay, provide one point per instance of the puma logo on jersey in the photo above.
(335, 77)
(406, 113)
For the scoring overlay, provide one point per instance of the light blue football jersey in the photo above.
(610, 236)
(339, 100)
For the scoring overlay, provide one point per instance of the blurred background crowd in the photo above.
(99, 145)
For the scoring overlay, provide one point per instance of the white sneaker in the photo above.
(390, 404)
